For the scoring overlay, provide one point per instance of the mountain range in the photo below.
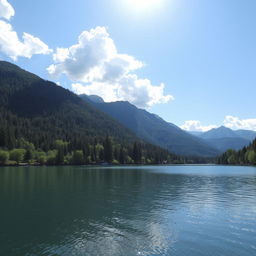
(167, 135)
(42, 111)
(154, 129)
(224, 138)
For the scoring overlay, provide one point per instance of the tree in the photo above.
(29, 147)
(108, 150)
(78, 157)
(51, 157)
(61, 147)
(41, 157)
(17, 155)
(2, 137)
(121, 155)
(136, 153)
(251, 156)
(4, 156)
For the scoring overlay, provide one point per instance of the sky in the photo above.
(192, 62)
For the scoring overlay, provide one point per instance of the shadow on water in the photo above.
(127, 211)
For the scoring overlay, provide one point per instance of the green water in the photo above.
(171, 210)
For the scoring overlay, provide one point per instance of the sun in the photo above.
(144, 4)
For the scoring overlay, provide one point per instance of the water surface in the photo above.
(170, 210)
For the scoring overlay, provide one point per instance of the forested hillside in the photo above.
(154, 129)
(41, 122)
(245, 156)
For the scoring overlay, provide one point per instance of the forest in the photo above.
(94, 151)
(245, 156)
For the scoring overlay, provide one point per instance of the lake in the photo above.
(128, 211)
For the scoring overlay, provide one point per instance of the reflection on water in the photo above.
(172, 210)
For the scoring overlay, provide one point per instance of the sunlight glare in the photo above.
(144, 4)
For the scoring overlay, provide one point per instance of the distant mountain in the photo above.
(246, 134)
(223, 144)
(154, 129)
(217, 133)
(224, 138)
(196, 133)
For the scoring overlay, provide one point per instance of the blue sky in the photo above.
(203, 51)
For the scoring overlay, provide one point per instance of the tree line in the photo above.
(98, 152)
(245, 156)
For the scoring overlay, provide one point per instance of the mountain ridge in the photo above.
(154, 129)
(224, 138)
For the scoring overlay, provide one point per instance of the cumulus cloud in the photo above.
(95, 67)
(237, 123)
(13, 47)
(10, 44)
(6, 10)
(232, 122)
(194, 125)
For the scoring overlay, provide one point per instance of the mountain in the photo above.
(96, 99)
(42, 112)
(25, 95)
(154, 129)
(224, 138)
(246, 134)
(217, 133)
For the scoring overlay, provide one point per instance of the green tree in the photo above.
(29, 147)
(17, 155)
(251, 156)
(4, 156)
(41, 157)
(122, 155)
(108, 150)
(78, 157)
(136, 153)
(61, 147)
(51, 157)
(99, 150)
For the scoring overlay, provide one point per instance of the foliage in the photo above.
(17, 155)
(4, 156)
(245, 156)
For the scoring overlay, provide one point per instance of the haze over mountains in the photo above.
(224, 138)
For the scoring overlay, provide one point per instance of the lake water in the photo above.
(170, 210)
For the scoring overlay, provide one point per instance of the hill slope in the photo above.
(152, 128)
(50, 107)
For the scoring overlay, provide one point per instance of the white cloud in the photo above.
(232, 122)
(236, 123)
(10, 44)
(196, 126)
(139, 92)
(95, 61)
(6, 10)
(99, 89)
(13, 47)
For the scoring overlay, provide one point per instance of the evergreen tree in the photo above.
(108, 150)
